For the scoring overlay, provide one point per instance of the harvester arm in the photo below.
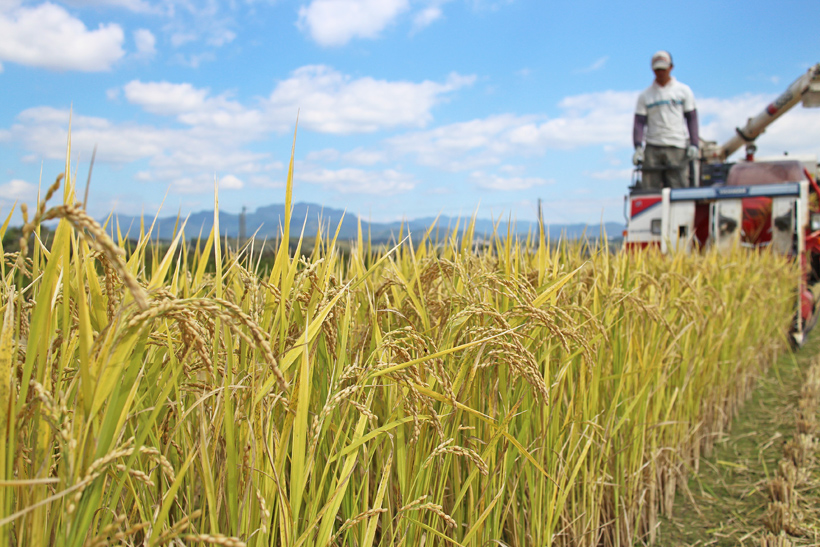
(805, 88)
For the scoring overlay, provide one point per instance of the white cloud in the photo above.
(594, 67)
(357, 181)
(194, 23)
(220, 37)
(611, 174)
(199, 182)
(589, 119)
(165, 98)
(18, 190)
(145, 42)
(216, 128)
(440, 191)
(137, 6)
(181, 38)
(512, 170)
(187, 159)
(461, 146)
(357, 156)
(194, 60)
(326, 100)
(797, 132)
(324, 155)
(266, 181)
(507, 184)
(193, 185)
(231, 182)
(602, 119)
(361, 156)
(43, 131)
(331, 102)
(47, 36)
(336, 22)
(426, 17)
(195, 107)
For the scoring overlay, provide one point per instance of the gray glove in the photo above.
(637, 157)
(692, 152)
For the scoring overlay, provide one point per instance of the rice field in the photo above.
(427, 394)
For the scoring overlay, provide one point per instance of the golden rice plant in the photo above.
(526, 394)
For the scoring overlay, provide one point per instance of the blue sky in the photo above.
(407, 108)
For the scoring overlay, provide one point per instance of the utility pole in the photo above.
(243, 226)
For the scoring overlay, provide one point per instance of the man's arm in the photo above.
(638, 129)
(692, 124)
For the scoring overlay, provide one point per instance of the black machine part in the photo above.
(714, 173)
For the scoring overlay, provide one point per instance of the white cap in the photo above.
(662, 60)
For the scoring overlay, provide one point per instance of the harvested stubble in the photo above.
(528, 394)
(796, 473)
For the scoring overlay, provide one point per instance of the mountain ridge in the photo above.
(266, 222)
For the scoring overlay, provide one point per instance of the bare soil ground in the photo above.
(729, 501)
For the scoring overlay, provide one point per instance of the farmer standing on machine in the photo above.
(665, 110)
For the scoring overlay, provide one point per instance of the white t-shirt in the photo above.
(663, 107)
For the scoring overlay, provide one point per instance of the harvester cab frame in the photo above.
(752, 203)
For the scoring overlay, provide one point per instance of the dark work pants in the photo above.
(665, 163)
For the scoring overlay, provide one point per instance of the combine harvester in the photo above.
(756, 202)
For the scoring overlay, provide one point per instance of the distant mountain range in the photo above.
(266, 221)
